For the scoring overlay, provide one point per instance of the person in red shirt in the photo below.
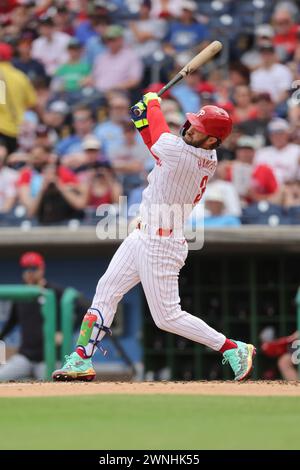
(49, 191)
(285, 39)
(253, 182)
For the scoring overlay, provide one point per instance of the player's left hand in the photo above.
(138, 114)
(150, 97)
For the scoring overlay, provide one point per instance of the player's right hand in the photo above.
(150, 97)
(138, 114)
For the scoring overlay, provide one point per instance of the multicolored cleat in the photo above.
(75, 368)
(240, 359)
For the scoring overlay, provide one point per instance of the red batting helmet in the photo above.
(211, 120)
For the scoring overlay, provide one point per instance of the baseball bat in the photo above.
(200, 59)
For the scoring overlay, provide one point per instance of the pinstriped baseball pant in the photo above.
(156, 263)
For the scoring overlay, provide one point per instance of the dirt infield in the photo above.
(47, 389)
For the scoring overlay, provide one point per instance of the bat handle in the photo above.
(137, 112)
(171, 83)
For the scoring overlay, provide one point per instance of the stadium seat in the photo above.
(264, 213)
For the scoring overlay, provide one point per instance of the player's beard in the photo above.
(198, 143)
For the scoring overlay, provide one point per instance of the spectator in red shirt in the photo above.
(286, 30)
(252, 182)
(50, 191)
(104, 188)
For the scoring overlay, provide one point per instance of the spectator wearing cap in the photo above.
(230, 198)
(95, 172)
(49, 191)
(186, 33)
(45, 137)
(8, 184)
(221, 207)
(119, 67)
(34, 69)
(71, 75)
(92, 148)
(145, 32)
(130, 159)
(271, 76)
(28, 362)
(217, 212)
(264, 34)
(55, 117)
(51, 48)
(19, 96)
(86, 161)
(83, 124)
(207, 93)
(282, 156)
(253, 182)
(286, 31)
(265, 112)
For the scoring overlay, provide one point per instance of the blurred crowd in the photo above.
(70, 70)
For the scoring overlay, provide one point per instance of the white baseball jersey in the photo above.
(179, 178)
(177, 181)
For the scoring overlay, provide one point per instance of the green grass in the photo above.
(150, 422)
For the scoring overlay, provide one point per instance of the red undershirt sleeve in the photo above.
(146, 136)
(157, 122)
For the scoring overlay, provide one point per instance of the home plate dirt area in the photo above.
(48, 389)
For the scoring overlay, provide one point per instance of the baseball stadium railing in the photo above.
(48, 308)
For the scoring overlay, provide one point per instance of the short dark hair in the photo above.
(82, 107)
(242, 69)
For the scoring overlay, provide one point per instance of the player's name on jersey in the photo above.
(209, 165)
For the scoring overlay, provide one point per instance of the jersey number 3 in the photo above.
(201, 189)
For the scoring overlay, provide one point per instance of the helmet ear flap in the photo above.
(184, 128)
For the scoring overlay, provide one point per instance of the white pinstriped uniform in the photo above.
(179, 176)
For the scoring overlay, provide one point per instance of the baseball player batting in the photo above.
(156, 250)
